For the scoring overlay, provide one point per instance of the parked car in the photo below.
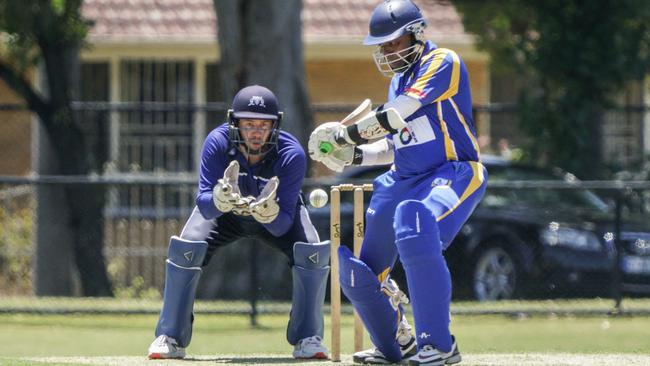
(532, 242)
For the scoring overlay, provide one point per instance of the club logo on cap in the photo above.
(257, 101)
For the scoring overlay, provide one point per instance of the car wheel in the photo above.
(497, 274)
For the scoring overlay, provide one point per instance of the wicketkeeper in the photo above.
(426, 130)
(249, 186)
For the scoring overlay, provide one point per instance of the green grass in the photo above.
(106, 335)
(109, 335)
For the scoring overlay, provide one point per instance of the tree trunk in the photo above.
(53, 257)
(261, 43)
(81, 225)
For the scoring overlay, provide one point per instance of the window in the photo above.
(156, 135)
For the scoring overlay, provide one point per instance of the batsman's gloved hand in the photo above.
(325, 134)
(340, 158)
(226, 195)
(264, 208)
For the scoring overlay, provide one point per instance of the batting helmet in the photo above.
(393, 19)
(389, 21)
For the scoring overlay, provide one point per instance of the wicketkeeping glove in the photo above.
(226, 195)
(265, 209)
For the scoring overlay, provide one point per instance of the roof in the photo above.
(155, 21)
(348, 19)
(194, 21)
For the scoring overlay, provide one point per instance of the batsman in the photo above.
(249, 187)
(426, 131)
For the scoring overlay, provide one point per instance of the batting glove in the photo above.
(322, 141)
(339, 158)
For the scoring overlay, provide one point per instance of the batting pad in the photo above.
(361, 286)
(310, 270)
(181, 278)
(429, 281)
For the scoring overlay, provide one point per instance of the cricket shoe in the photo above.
(406, 342)
(430, 356)
(310, 347)
(373, 356)
(165, 347)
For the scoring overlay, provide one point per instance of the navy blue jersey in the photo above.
(287, 162)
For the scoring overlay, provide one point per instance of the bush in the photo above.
(16, 220)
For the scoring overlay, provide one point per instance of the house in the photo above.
(166, 51)
(169, 48)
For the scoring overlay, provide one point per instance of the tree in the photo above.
(260, 43)
(69, 234)
(576, 54)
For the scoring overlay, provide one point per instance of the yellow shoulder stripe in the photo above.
(439, 56)
(455, 77)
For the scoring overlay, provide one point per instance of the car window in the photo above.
(502, 197)
(562, 198)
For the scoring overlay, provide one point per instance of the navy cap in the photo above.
(255, 102)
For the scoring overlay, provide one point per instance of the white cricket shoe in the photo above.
(406, 342)
(373, 356)
(430, 356)
(310, 347)
(165, 347)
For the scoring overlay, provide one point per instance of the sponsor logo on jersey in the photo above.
(417, 131)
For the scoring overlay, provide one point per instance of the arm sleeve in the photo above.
(404, 105)
(437, 78)
(378, 153)
(291, 170)
(213, 164)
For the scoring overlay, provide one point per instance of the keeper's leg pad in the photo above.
(184, 259)
(429, 281)
(361, 286)
(310, 271)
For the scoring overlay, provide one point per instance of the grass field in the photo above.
(32, 339)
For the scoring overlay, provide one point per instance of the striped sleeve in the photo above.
(437, 78)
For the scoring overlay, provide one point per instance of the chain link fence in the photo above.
(548, 239)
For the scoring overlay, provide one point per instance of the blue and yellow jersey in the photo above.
(443, 128)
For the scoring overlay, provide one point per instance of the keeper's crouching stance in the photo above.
(263, 202)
